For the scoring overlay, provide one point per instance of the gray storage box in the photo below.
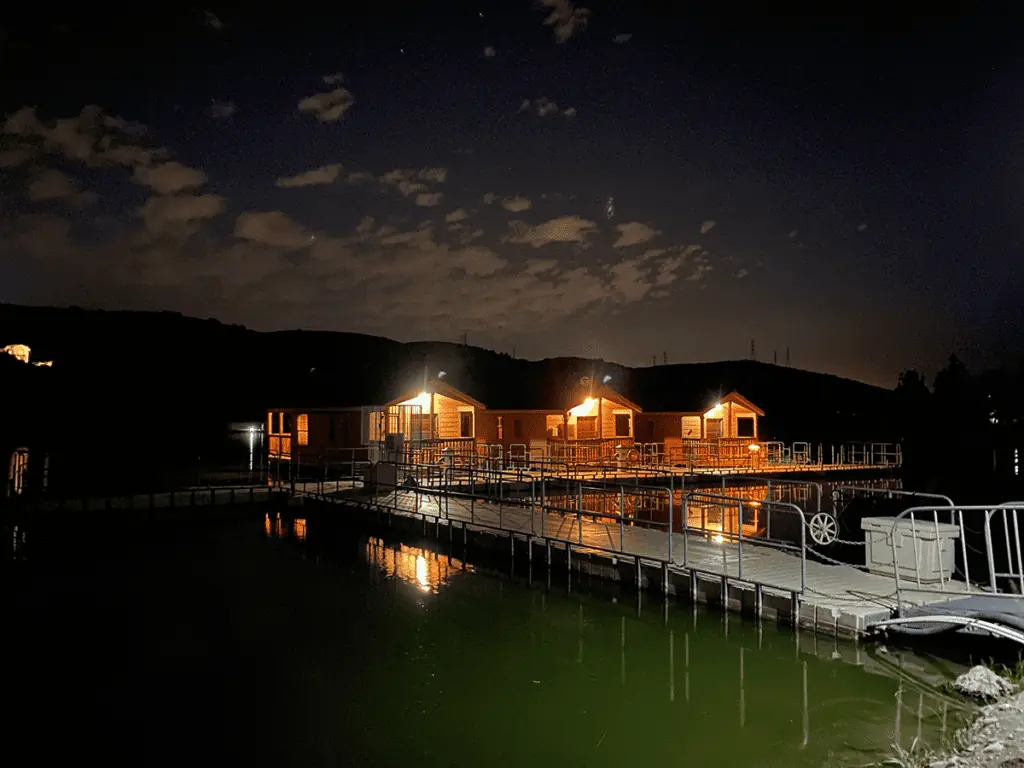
(935, 546)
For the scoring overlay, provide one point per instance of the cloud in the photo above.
(516, 204)
(490, 197)
(742, 272)
(210, 19)
(565, 19)
(273, 228)
(51, 184)
(325, 174)
(429, 199)
(409, 181)
(707, 226)
(16, 156)
(622, 37)
(543, 107)
(169, 212)
(459, 214)
(171, 177)
(328, 107)
(793, 233)
(565, 229)
(92, 137)
(431, 282)
(489, 52)
(862, 227)
(334, 79)
(634, 233)
(222, 109)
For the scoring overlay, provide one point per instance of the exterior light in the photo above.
(583, 408)
(607, 378)
(754, 447)
(422, 400)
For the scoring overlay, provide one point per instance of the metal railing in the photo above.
(926, 520)
(608, 518)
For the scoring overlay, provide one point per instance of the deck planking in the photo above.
(834, 599)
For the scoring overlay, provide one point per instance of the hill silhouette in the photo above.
(166, 383)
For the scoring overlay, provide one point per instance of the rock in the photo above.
(1013, 762)
(995, 746)
(982, 683)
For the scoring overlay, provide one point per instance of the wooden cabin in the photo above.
(321, 433)
(725, 434)
(432, 419)
(587, 425)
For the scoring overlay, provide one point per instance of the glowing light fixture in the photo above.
(754, 447)
(422, 400)
(583, 408)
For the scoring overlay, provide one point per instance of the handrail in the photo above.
(956, 513)
(784, 506)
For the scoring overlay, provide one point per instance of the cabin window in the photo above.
(622, 424)
(302, 424)
(713, 428)
(465, 424)
(745, 426)
(286, 423)
(517, 428)
(586, 427)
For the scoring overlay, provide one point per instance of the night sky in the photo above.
(614, 180)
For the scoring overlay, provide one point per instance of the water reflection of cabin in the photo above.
(725, 433)
(432, 419)
(587, 425)
(339, 433)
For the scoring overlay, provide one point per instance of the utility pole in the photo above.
(753, 350)
(654, 360)
(664, 357)
(775, 357)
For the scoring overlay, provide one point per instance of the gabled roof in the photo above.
(691, 389)
(736, 397)
(438, 387)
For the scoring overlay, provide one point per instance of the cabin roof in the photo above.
(692, 389)
(438, 387)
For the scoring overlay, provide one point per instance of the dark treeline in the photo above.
(963, 433)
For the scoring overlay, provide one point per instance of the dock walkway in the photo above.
(742, 575)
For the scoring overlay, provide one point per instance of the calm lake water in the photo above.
(274, 641)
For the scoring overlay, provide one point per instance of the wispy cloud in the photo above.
(516, 204)
(543, 107)
(564, 229)
(221, 110)
(564, 18)
(634, 233)
(325, 174)
(327, 107)
(707, 226)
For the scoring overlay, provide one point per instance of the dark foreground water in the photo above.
(277, 642)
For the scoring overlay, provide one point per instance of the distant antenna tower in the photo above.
(664, 357)
(753, 350)
(775, 357)
(513, 351)
(654, 360)
(464, 339)
(787, 357)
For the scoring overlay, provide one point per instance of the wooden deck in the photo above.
(833, 599)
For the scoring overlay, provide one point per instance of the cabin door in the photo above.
(713, 429)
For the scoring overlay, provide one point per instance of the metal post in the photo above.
(671, 517)
(622, 515)
(739, 526)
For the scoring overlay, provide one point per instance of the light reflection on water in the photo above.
(731, 691)
(426, 569)
(746, 508)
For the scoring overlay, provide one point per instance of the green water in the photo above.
(274, 643)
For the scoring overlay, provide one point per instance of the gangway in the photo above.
(993, 605)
